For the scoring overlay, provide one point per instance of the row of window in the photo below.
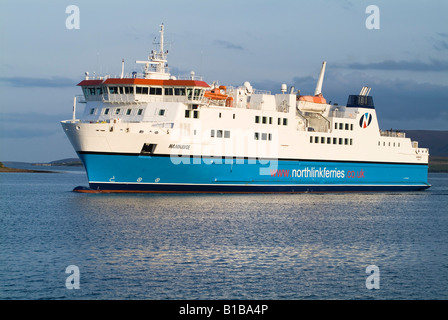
(118, 111)
(268, 120)
(343, 126)
(329, 140)
(220, 134)
(226, 134)
(220, 115)
(191, 93)
(190, 113)
(263, 136)
(390, 144)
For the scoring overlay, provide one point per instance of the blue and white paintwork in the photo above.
(111, 173)
(152, 132)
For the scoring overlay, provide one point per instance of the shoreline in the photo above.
(14, 170)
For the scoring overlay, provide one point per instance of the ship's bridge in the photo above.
(138, 90)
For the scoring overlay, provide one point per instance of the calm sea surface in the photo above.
(170, 246)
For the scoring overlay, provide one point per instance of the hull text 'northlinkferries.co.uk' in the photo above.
(154, 132)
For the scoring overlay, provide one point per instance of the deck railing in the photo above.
(392, 133)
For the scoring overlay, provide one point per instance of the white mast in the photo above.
(158, 60)
(321, 80)
(161, 41)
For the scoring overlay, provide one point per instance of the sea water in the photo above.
(58, 244)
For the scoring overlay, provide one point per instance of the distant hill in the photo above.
(436, 141)
(62, 162)
(8, 169)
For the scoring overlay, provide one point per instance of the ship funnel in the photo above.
(320, 80)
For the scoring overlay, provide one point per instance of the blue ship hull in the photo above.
(109, 172)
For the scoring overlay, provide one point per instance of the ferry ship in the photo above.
(154, 132)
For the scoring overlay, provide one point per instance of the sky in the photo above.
(404, 58)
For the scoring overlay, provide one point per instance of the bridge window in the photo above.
(189, 93)
(169, 91)
(113, 90)
(155, 91)
(197, 94)
(179, 91)
(129, 90)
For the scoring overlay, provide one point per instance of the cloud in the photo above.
(29, 125)
(31, 117)
(25, 133)
(400, 103)
(39, 82)
(228, 45)
(433, 65)
(441, 45)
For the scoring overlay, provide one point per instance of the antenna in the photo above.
(320, 80)
(161, 39)
(157, 60)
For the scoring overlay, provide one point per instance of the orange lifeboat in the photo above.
(217, 94)
(316, 99)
